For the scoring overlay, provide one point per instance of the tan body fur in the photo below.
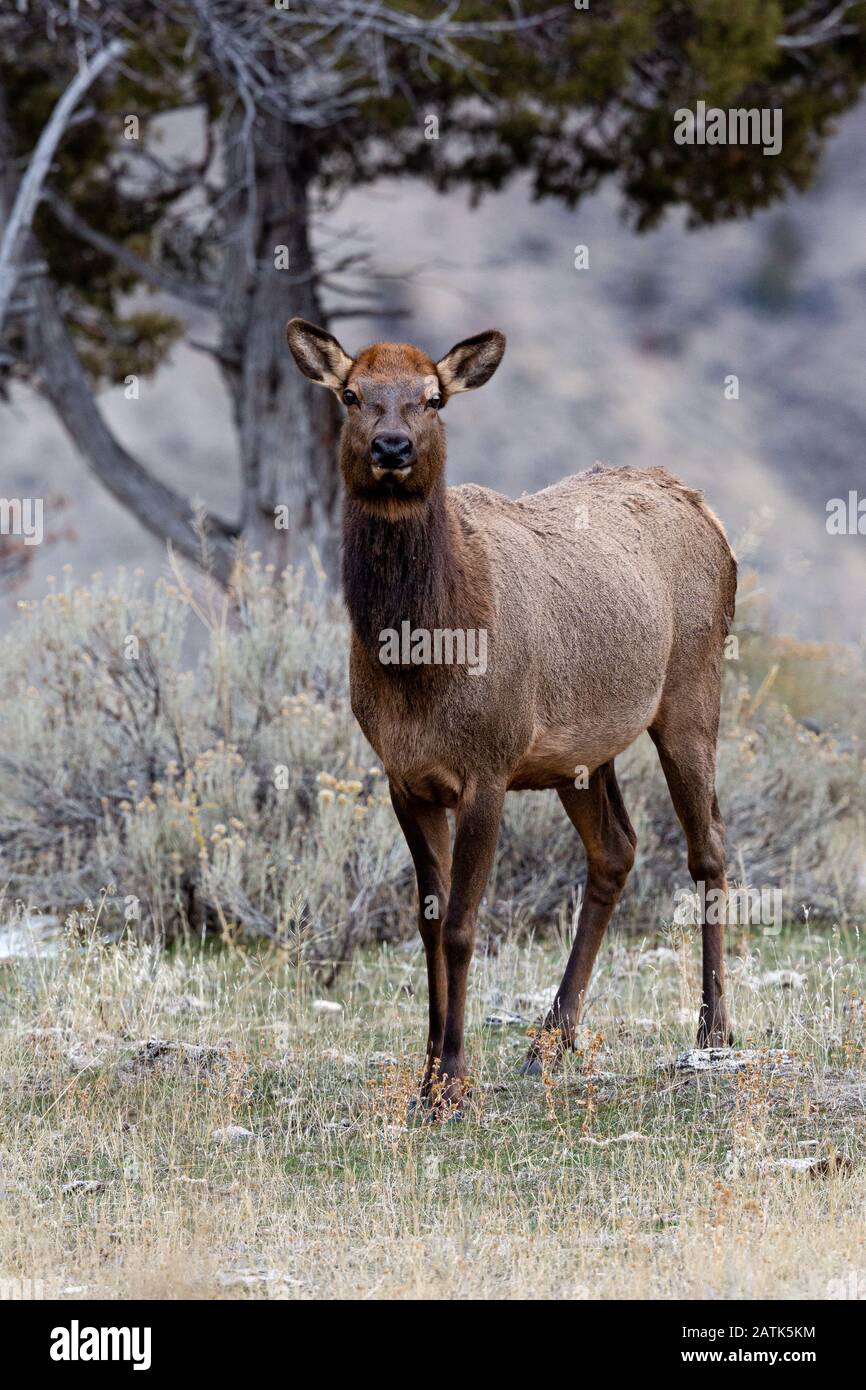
(587, 625)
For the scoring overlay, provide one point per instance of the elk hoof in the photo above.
(436, 1114)
(420, 1111)
(435, 1109)
(531, 1067)
(715, 1037)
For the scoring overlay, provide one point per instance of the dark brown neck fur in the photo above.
(417, 568)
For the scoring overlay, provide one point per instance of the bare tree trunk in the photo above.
(286, 427)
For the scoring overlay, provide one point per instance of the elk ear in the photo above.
(470, 363)
(318, 354)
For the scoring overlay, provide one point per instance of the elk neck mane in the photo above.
(420, 567)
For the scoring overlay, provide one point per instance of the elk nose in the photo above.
(392, 450)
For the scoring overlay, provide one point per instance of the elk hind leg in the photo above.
(600, 818)
(688, 758)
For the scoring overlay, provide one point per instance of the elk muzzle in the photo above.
(392, 455)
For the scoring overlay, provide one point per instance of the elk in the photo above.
(605, 599)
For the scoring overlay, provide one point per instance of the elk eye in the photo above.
(349, 397)
(435, 402)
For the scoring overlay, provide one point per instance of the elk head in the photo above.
(392, 446)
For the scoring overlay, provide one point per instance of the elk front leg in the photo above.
(478, 817)
(425, 828)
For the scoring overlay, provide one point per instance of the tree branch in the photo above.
(30, 188)
(145, 270)
(826, 30)
(162, 511)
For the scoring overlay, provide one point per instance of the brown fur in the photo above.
(606, 599)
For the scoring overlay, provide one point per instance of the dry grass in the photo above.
(619, 1177)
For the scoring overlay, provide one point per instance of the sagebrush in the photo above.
(189, 762)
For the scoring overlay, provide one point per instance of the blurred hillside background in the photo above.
(624, 361)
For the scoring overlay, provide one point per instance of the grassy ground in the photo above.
(619, 1177)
